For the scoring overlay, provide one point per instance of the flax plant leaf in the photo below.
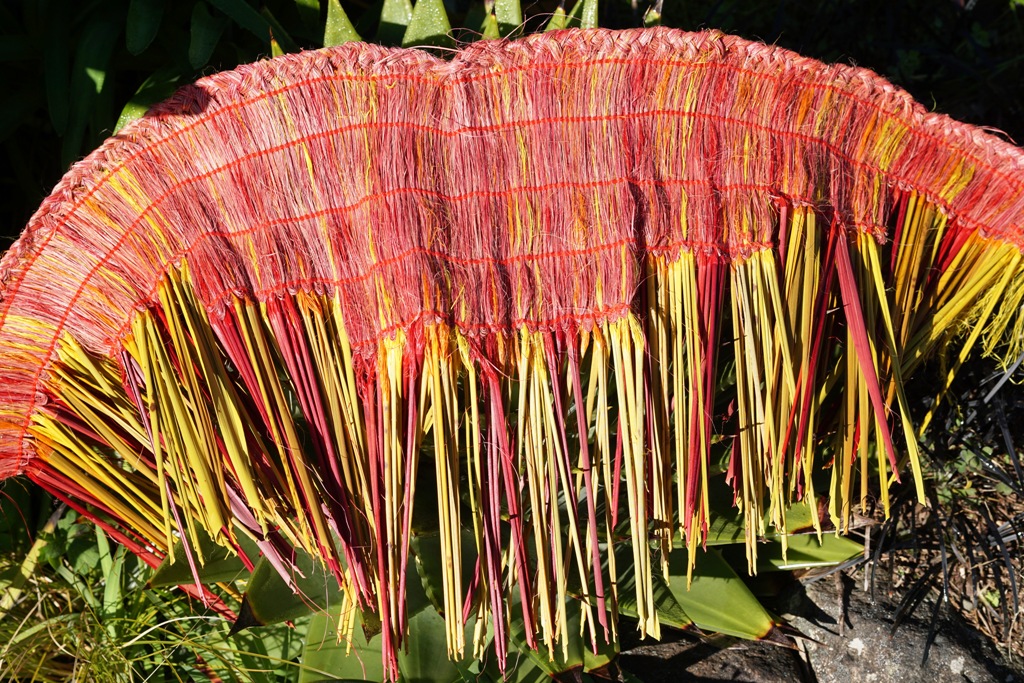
(88, 81)
(155, 88)
(356, 656)
(270, 600)
(509, 14)
(395, 16)
(583, 15)
(205, 31)
(143, 23)
(429, 26)
(717, 599)
(243, 14)
(221, 565)
(558, 21)
(805, 552)
(339, 28)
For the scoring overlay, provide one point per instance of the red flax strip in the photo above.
(369, 261)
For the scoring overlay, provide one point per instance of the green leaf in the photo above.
(526, 665)
(558, 21)
(423, 658)
(717, 600)
(395, 16)
(112, 595)
(429, 565)
(670, 612)
(339, 28)
(88, 80)
(243, 14)
(269, 600)
(143, 23)
(583, 15)
(204, 34)
(429, 25)
(509, 14)
(805, 552)
(156, 88)
(652, 17)
(219, 565)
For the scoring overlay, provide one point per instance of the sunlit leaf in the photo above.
(395, 16)
(157, 87)
(717, 600)
(260, 25)
(338, 28)
(429, 25)
(509, 14)
(88, 80)
(804, 552)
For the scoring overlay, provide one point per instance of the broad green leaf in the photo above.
(579, 654)
(423, 657)
(220, 564)
(489, 29)
(204, 34)
(106, 558)
(429, 25)
(88, 81)
(670, 612)
(142, 24)
(583, 15)
(558, 20)
(509, 14)
(156, 88)
(260, 25)
(429, 564)
(395, 16)
(113, 598)
(805, 552)
(717, 600)
(339, 28)
(269, 600)
(726, 526)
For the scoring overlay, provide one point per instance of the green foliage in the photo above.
(85, 612)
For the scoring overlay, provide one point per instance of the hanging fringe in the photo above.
(538, 278)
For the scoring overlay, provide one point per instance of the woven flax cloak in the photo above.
(251, 311)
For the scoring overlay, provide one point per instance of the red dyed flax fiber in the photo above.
(472, 255)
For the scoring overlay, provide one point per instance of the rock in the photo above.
(861, 649)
